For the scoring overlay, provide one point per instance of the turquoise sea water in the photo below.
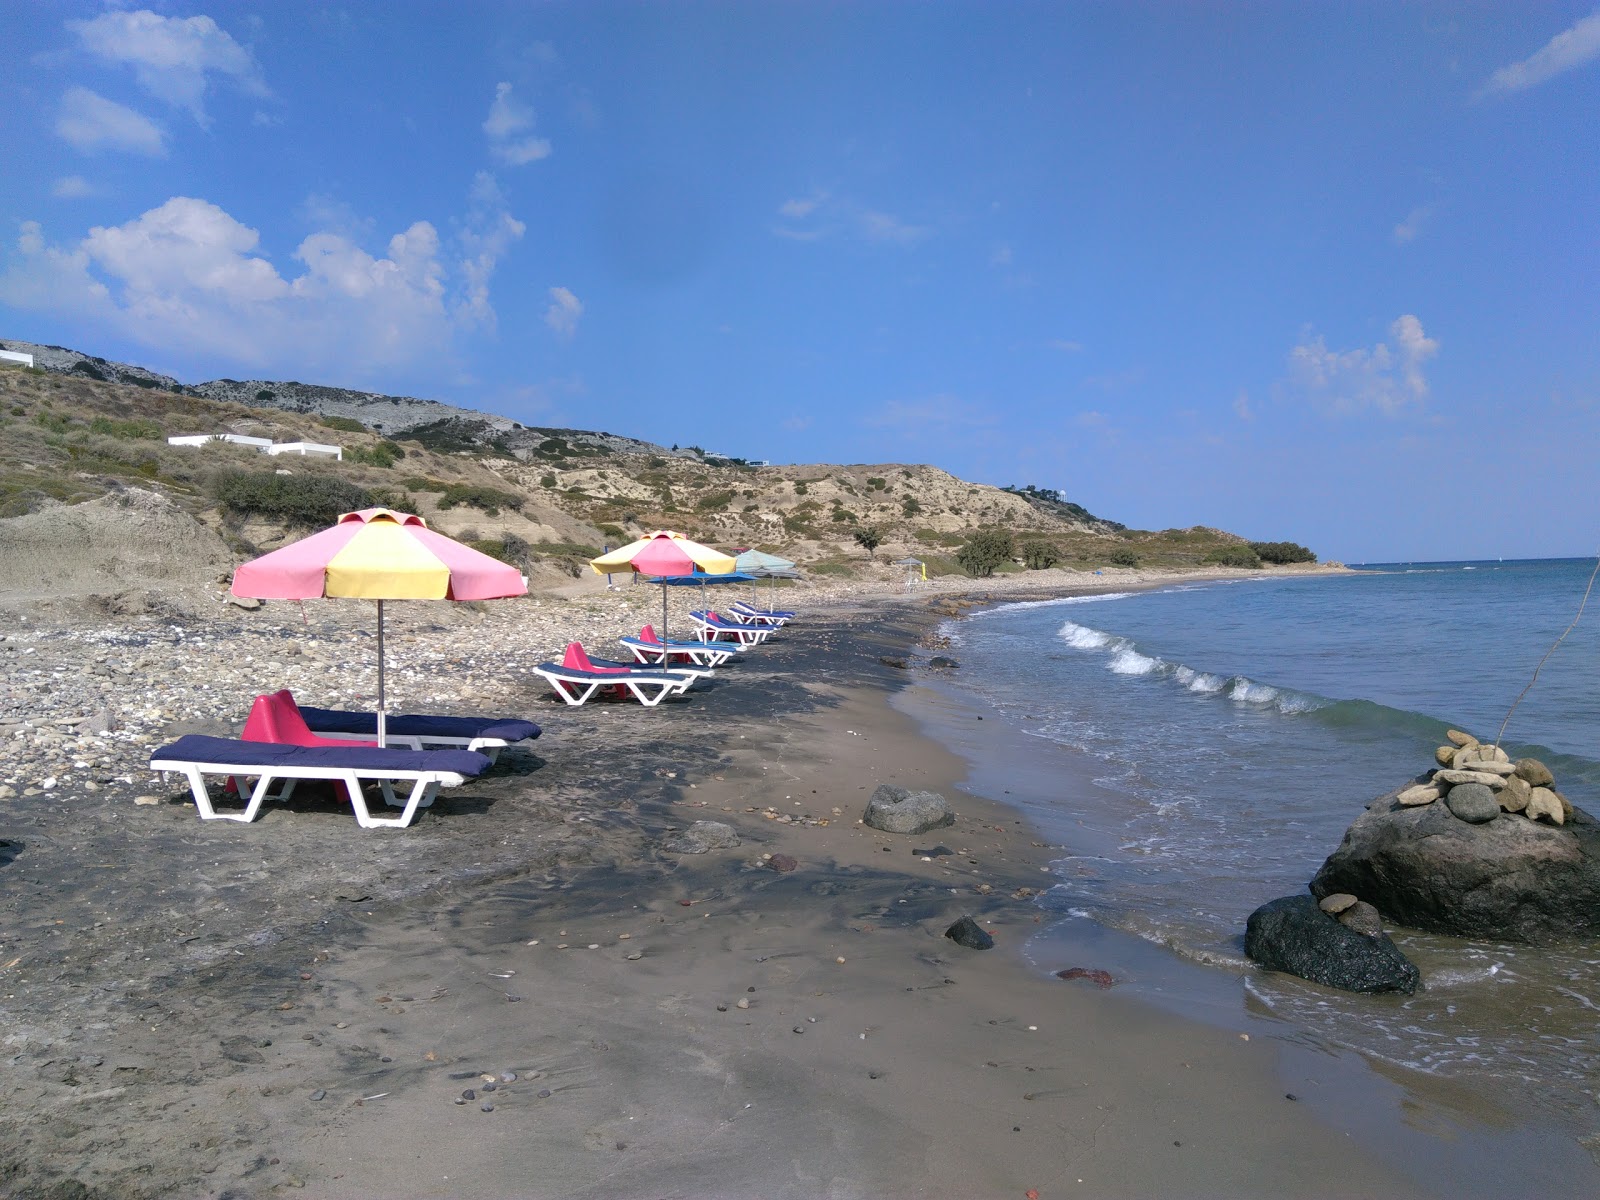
(1233, 731)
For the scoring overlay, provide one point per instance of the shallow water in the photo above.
(1233, 731)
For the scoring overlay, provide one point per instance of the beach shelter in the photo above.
(917, 569)
(664, 553)
(378, 554)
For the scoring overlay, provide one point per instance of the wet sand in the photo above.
(295, 1006)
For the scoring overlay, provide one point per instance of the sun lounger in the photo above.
(196, 756)
(277, 718)
(578, 678)
(713, 628)
(649, 648)
(487, 735)
(748, 613)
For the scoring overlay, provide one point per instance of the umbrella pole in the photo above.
(382, 730)
(663, 616)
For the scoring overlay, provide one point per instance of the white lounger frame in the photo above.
(746, 635)
(577, 687)
(748, 614)
(424, 787)
(703, 654)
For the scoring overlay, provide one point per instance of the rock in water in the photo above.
(967, 932)
(897, 810)
(703, 836)
(1292, 934)
(1520, 880)
(1473, 803)
(1361, 917)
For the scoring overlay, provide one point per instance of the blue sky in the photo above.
(1327, 273)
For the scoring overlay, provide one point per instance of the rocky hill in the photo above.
(81, 427)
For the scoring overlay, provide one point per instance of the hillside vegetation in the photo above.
(544, 498)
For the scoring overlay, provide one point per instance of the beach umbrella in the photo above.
(377, 554)
(664, 553)
(766, 566)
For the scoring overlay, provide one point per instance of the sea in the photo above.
(1198, 750)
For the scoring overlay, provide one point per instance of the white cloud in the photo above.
(71, 187)
(509, 127)
(90, 122)
(1241, 406)
(1408, 229)
(1569, 49)
(884, 227)
(564, 311)
(822, 215)
(1387, 378)
(188, 278)
(487, 234)
(1065, 345)
(172, 56)
(1001, 255)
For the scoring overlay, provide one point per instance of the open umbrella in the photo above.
(761, 565)
(376, 554)
(664, 553)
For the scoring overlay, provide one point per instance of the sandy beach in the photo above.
(300, 1005)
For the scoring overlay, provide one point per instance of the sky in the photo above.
(1325, 273)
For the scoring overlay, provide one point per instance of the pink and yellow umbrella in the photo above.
(376, 554)
(664, 553)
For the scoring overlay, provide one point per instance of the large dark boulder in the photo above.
(1292, 934)
(1509, 878)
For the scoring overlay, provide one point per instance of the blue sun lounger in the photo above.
(672, 654)
(748, 613)
(196, 756)
(487, 735)
(713, 628)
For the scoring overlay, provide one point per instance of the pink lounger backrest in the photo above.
(577, 659)
(276, 718)
(648, 634)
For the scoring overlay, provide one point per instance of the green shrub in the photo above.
(713, 502)
(347, 424)
(985, 550)
(869, 539)
(1040, 556)
(421, 483)
(843, 516)
(1282, 552)
(613, 532)
(384, 454)
(132, 430)
(84, 367)
(486, 499)
(800, 488)
(508, 548)
(876, 483)
(563, 550)
(909, 507)
(830, 568)
(1124, 558)
(53, 422)
(548, 481)
(1234, 556)
(655, 461)
(264, 396)
(307, 500)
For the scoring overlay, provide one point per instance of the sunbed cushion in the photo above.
(198, 748)
(506, 729)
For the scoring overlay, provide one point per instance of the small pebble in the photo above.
(744, 1002)
(486, 1107)
(797, 1029)
(460, 1100)
(488, 1087)
(1290, 1096)
(469, 1094)
(544, 1093)
(722, 1008)
(318, 1094)
(508, 1076)
(635, 956)
(385, 1058)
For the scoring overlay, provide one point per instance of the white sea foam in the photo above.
(1201, 682)
(1128, 661)
(1055, 603)
(1081, 637)
(1248, 691)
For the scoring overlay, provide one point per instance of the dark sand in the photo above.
(180, 992)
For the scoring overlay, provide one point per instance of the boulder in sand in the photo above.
(1521, 880)
(899, 810)
(1293, 935)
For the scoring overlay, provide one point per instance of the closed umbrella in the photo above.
(377, 554)
(664, 553)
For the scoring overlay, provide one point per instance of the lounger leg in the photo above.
(422, 794)
(202, 797)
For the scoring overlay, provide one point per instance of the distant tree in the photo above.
(869, 539)
(984, 551)
(1235, 556)
(1282, 552)
(1124, 558)
(1040, 556)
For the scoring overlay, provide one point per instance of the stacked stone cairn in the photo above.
(1478, 781)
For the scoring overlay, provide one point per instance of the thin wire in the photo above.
(1581, 604)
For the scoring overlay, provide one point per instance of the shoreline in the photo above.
(395, 982)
